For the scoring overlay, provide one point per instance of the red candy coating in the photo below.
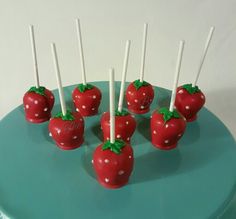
(124, 128)
(37, 106)
(165, 135)
(189, 104)
(139, 100)
(88, 101)
(113, 170)
(67, 134)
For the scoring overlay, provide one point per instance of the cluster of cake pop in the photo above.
(113, 159)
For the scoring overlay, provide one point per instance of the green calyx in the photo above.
(82, 88)
(40, 90)
(114, 147)
(191, 89)
(138, 84)
(167, 115)
(69, 116)
(122, 113)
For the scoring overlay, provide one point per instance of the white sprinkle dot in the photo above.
(127, 122)
(91, 161)
(167, 126)
(83, 106)
(94, 96)
(81, 120)
(121, 172)
(58, 131)
(51, 97)
(179, 135)
(36, 114)
(135, 100)
(93, 109)
(108, 138)
(133, 116)
(50, 134)
(150, 117)
(166, 141)
(185, 119)
(77, 110)
(130, 156)
(27, 106)
(187, 107)
(106, 161)
(202, 97)
(118, 136)
(128, 103)
(128, 139)
(180, 91)
(154, 132)
(129, 92)
(106, 180)
(75, 137)
(45, 109)
(36, 102)
(142, 107)
(144, 94)
(62, 143)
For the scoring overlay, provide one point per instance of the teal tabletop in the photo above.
(38, 180)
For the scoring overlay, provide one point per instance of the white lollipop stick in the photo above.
(125, 65)
(35, 63)
(143, 51)
(58, 75)
(79, 36)
(177, 71)
(112, 106)
(204, 54)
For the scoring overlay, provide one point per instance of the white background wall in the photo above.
(106, 24)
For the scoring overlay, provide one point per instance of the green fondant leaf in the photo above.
(82, 88)
(138, 84)
(69, 116)
(40, 90)
(114, 147)
(167, 115)
(191, 89)
(122, 113)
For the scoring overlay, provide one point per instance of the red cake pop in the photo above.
(66, 128)
(86, 97)
(168, 125)
(189, 98)
(113, 160)
(140, 94)
(38, 101)
(125, 123)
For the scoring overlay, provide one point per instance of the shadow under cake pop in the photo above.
(143, 127)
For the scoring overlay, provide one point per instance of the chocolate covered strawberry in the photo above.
(87, 99)
(113, 163)
(189, 100)
(139, 96)
(166, 128)
(125, 125)
(67, 131)
(38, 103)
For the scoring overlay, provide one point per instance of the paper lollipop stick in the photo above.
(112, 106)
(176, 79)
(143, 52)
(58, 76)
(35, 63)
(79, 36)
(204, 54)
(125, 65)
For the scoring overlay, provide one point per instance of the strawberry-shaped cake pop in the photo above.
(67, 131)
(167, 128)
(189, 100)
(86, 97)
(140, 94)
(66, 128)
(113, 160)
(113, 163)
(38, 101)
(125, 125)
(168, 125)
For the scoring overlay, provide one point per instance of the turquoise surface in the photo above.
(38, 180)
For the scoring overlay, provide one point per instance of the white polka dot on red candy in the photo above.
(121, 172)
(107, 180)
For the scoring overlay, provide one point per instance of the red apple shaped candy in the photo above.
(67, 131)
(189, 100)
(125, 125)
(38, 103)
(87, 99)
(166, 128)
(113, 163)
(139, 96)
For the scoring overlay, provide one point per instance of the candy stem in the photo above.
(79, 37)
(35, 62)
(177, 71)
(204, 54)
(58, 76)
(122, 86)
(143, 51)
(112, 106)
